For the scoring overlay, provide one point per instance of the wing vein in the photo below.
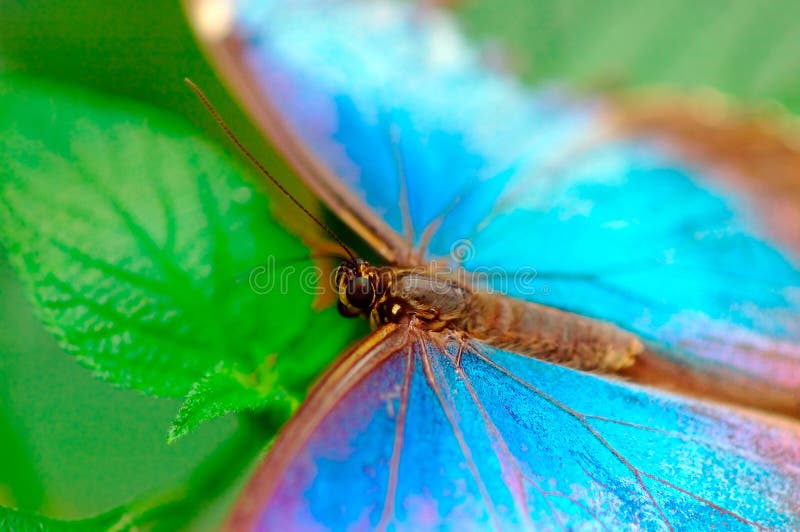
(583, 419)
(431, 379)
(392, 134)
(397, 448)
(673, 434)
(711, 504)
(596, 434)
(501, 447)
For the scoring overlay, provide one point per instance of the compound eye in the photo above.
(360, 293)
(341, 272)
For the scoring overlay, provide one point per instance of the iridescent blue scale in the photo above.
(509, 442)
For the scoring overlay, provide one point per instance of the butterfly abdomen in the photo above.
(548, 333)
(439, 302)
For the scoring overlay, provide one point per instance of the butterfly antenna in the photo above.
(261, 168)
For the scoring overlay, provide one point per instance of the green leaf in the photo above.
(74, 446)
(744, 48)
(275, 384)
(135, 237)
(230, 390)
(18, 521)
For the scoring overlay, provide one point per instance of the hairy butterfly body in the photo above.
(438, 302)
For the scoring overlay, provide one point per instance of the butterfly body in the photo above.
(436, 299)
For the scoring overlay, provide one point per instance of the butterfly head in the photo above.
(359, 286)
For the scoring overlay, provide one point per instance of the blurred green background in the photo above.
(71, 446)
(746, 48)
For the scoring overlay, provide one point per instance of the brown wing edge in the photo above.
(756, 150)
(718, 384)
(346, 373)
(225, 55)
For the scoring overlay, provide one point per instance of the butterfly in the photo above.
(574, 297)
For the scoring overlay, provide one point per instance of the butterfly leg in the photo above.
(463, 344)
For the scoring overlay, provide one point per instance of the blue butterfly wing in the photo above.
(425, 144)
(532, 190)
(400, 435)
(422, 107)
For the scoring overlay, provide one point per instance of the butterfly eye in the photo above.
(359, 292)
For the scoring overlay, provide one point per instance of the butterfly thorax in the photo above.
(437, 301)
